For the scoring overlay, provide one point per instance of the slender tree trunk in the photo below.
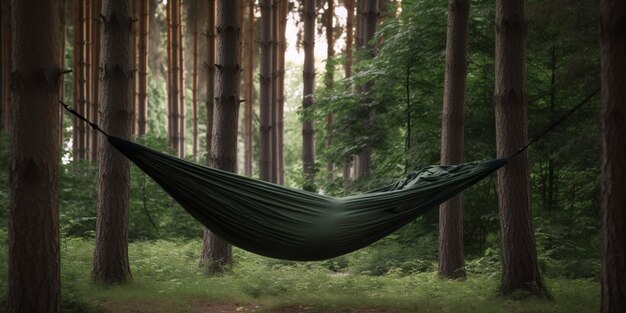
(349, 4)
(181, 85)
(5, 88)
(282, 48)
(174, 73)
(79, 80)
(369, 21)
(330, 72)
(224, 147)
(142, 97)
(134, 45)
(111, 252)
(247, 163)
(451, 261)
(34, 250)
(194, 85)
(265, 138)
(210, 65)
(308, 130)
(154, 41)
(88, 46)
(274, 92)
(613, 75)
(519, 257)
(95, 73)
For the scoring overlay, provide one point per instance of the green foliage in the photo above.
(167, 278)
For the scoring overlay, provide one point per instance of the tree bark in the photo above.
(519, 257)
(173, 8)
(79, 129)
(94, 78)
(330, 72)
(274, 92)
(5, 73)
(369, 21)
(613, 78)
(282, 48)
(142, 97)
(248, 159)
(451, 260)
(349, 4)
(111, 252)
(208, 246)
(308, 130)
(34, 256)
(265, 139)
(224, 145)
(181, 85)
(194, 84)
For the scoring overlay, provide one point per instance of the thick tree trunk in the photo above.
(181, 86)
(34, 256)
(519, 257)
(308, 129)
(88, 46)
(247, 124)
(265, 138)
(142, 79)
(224, 146)
(212, 245)
(613, 71)
(134, 41)
(5, 63)
(111, 252)
(451, 261)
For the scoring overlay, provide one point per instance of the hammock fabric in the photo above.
(285, 223)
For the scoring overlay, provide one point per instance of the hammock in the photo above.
(286, 223)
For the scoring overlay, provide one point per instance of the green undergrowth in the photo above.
(166, 278)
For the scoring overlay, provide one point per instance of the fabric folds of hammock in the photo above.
(285, 223)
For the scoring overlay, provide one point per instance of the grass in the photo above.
(166, 278)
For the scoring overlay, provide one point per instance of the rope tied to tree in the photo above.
(79, 116)
(554, 124)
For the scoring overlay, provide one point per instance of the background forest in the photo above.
(405, 101)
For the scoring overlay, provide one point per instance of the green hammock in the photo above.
(285, 223)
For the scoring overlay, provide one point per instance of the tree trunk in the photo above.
(330, 72)
(194, 85)
(155, 56)
(79, 129)
(265, 138)
(142, 97)
(94, 78)
(613, 76)
(210, 65)
(88, 46)
(5, 60)
(349, 4)
(134, 41)
(247, 124)
(519, 257)
(369, 21)
(308, 130)
(173, 8)
(282, 48)
(181, 85)
(34, 250)
(111, 252)
(451, 261)
(274, 92)
(224, 145)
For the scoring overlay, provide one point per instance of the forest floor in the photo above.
(166, 279)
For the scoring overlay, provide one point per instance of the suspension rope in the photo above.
(93, 125)
(554, 124)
